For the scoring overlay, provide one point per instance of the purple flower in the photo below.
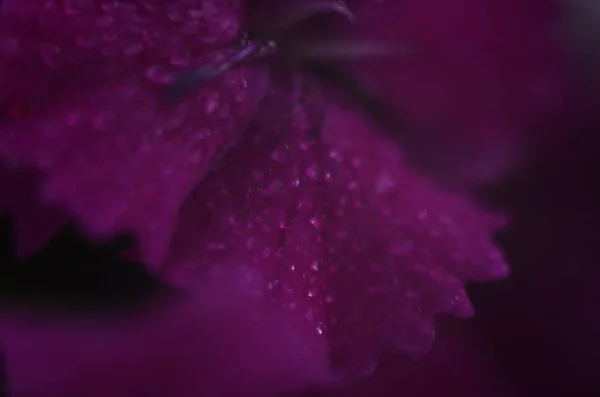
(251, 154)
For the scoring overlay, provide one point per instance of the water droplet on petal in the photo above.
(48, 53)
(212, 105)
(73, 119)
(384, 183)
(315, 222)
(335, 155)
(314, 266)
(110, 37)
(50, 5)
(180, 60)
(309, 315)
(159, 75)
(312, 172)
(101, 122)
(71, 7)
(9, 45)
(402, 247)
(174, 14)
(196, 14)
(104, 21)
(133, 49)
(85, 42)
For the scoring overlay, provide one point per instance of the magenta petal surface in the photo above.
(477, 82)
(348, 237)
(225, 341)
(82, 102)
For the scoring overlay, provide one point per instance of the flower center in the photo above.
(267, 38)
(285, 36)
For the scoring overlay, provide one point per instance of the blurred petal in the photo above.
(458, 366)
(552, 339)
(226, 341)
(484, 76)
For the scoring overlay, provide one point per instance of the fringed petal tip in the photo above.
(112, 152)
(348, 238)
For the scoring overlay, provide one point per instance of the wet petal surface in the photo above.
(83, 103)
(348, 237)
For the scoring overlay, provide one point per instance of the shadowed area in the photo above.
(71, 272)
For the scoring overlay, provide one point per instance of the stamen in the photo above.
(307, 10)
(190, 81)
(331, 50)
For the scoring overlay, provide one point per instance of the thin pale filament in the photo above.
(299, 14)
(192, 80)
(337, 49)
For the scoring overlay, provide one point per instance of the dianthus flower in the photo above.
(239, 138)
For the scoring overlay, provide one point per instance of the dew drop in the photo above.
(50, 5)
(314, 266)
(174, 14)
(109, 51)
(212, 106)
(133, 49)
(73, 119)
(84, 42)
(50, 132)
(9, 46)
(196, 14)
(110, 37)
(104, 21)
(216, 246)
(48, 53)
(101, 122)
(191, 28)
(72, 7)
(402, 247)
(335, 155)
(281, 155)
(158, 74)
(180, 60)
(384, 183)
(309, 315)
(312, 172)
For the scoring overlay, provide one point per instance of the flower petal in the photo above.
(82, 101)
(225, 341)
(483, 77)
(459, 365)
(348, 237)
